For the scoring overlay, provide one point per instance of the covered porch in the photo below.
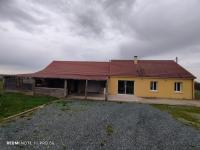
(71, 88)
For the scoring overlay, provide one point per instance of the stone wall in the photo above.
(56, 92)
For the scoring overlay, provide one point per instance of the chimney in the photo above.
(135, 59)
(177, 60)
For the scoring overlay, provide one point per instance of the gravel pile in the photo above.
(98, 125)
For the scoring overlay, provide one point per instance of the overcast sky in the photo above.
(35, 32)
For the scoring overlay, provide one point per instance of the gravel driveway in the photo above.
(98, 125)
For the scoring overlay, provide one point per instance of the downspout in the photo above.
(65, 88)
(86, 86)
(106, 91)
(107, 82)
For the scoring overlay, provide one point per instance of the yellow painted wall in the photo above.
(165, 87)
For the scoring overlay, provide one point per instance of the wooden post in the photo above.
(21, 83)
(106, 92)
(86, 85)
(18, 82)
(65, 89)
(3, 84)
(33, 85)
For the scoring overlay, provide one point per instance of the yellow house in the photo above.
(151, 79)
(152, 87)
(140, 78)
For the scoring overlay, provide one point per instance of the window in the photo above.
(178, 86)
(125, 87)
(153, 86)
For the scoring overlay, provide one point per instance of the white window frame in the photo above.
(154, 82)
(176, 87)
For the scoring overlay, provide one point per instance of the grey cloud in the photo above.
(90, 23)
(86, 30)
(89, 16)
(119, 10)
(10, 11)
(86, 20)
(17, 56)
(163, 31)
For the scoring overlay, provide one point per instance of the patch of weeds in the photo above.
(21, 146)
(193, 146)
(5, 123)
(59, 114)
(28, 118)
(103, 143)
(72, 106)
(35, 131)
(63, 109)
(64, 147)
(22, 116)
(109, 129)
(63, 105)
(85, 103)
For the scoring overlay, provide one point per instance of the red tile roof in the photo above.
(149, 68)
(74, 70)
(102, 70)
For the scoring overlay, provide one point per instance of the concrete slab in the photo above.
(132, 98)
(195, 103)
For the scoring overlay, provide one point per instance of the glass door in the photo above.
(125, 87)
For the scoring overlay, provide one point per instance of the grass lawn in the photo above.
(187, 114)
(197, 94)
(13, 103)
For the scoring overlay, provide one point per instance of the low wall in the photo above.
(56, 92)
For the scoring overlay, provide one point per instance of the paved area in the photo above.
(195, 103)
(132, 98)
(99, 125)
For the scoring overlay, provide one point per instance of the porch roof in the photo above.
(73, 70)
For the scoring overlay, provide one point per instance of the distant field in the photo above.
(197, 94)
